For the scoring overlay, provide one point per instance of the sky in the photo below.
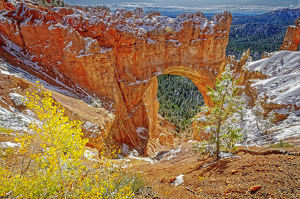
(193, 3)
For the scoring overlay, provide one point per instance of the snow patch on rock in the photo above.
(178, 181)
(14, 120)
(149, 160)
(90, 155)
(173, 153)
(259, 131)
(142, 132)
(8, 144)
(17, 99)
(125, 149)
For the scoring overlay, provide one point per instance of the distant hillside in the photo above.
(260, 33)
(280, 16)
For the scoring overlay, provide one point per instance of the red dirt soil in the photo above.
(269, 176)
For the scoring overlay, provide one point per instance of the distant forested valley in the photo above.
(261, 33)
(179, 100)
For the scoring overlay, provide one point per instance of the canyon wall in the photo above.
(115, 55)
(292, 37)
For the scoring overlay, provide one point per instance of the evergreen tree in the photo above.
(221, 123)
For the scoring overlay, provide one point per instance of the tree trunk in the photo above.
(218, 140)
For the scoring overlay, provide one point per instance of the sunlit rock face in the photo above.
(116, 55)
(292, 37)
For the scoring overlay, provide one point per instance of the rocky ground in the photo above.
(240, 176)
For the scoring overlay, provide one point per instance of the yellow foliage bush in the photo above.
(59, 170)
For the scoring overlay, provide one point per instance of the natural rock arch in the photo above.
(144, 105)
(116, 55)
(199, 78)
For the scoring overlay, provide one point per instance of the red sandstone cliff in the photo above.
(292, 37)
(116, 55)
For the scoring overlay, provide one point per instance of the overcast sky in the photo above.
(193, 3)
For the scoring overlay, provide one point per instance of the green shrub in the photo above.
(281, 144)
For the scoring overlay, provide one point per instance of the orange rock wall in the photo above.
(117, 55)
(292, 37)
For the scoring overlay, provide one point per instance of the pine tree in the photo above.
(221, 122)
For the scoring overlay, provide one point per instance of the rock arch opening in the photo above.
(179, 100)
(198, 78)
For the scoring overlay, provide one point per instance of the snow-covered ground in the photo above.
(8, 144)
(283, 83)
(13, 119)
(258, 131)
(279, 91)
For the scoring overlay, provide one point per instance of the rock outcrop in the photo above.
(116, 56)
(273, 91)
(292, 37)
(277, 89)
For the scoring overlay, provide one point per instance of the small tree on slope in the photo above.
(221, 122)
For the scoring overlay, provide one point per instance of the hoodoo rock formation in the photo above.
(116, 55)
(292, 37)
